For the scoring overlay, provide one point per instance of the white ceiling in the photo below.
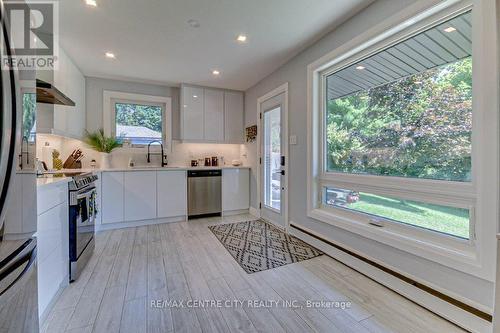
(154, 43)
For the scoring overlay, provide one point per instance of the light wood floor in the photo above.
(181, 261)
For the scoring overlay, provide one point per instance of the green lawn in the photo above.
(454, 221)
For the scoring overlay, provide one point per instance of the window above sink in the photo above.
(138, 119)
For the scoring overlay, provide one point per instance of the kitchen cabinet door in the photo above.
(235, 189)
(214, 115)
(140, 195)
(22, 208)
(15, 208)
(52, 253)
(29, 190)
(112, 197)
(233, 117)
(68, 120)
(171, 193)
(98, 186)
(192, 113)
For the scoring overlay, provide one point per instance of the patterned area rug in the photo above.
(258, 246)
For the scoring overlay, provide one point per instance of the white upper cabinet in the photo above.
(140, 195)
(211, 115)
(192, 109)
(60, 119)
(233, 117)
(214, 115)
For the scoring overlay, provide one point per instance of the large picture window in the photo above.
(404, 112)
(403, 147)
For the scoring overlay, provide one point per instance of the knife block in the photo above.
(70, 163)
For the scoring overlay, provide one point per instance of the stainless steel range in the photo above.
(82, 213)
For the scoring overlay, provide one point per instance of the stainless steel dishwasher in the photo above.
(204, 193)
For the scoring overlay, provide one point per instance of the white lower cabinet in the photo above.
(52, 245)
(145, 195)
(140, 195)
(171, 194)
(235, 189)
(22, 206)
(112, 197)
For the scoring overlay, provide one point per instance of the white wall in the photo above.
(477, 291)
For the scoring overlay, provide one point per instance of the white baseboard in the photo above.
(235, 212)
(254, 211)
(129, 224)
(446, 310)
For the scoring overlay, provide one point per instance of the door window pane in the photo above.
(445, 219)
(272, 156)
(138, 123)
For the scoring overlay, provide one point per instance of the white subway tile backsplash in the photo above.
(181, 155)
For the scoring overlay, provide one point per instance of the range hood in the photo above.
(47, 93)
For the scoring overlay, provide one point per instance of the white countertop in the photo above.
(47, 181)
(171, 168)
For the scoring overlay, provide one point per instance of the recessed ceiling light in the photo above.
(241, 38)
(360, 67)
(195, 96)
(215, 72)
(450, 29)
(193, 23)
(91, 3)
(110, 55)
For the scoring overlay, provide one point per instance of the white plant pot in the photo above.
(105, 161)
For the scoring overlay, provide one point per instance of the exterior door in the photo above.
(272, 162)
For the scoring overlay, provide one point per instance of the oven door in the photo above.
(82, 220)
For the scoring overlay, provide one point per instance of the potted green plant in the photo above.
(103, 144)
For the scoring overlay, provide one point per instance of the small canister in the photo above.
(207, 161)
(194, 163)
(215, 161)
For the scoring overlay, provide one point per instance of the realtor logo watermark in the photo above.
(33, 35)
(248, 303)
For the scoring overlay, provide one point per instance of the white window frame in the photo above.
(110, 98)
(473, 256)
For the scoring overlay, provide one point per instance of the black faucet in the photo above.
(163, 157)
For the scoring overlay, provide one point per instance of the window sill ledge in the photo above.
(461, 256)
